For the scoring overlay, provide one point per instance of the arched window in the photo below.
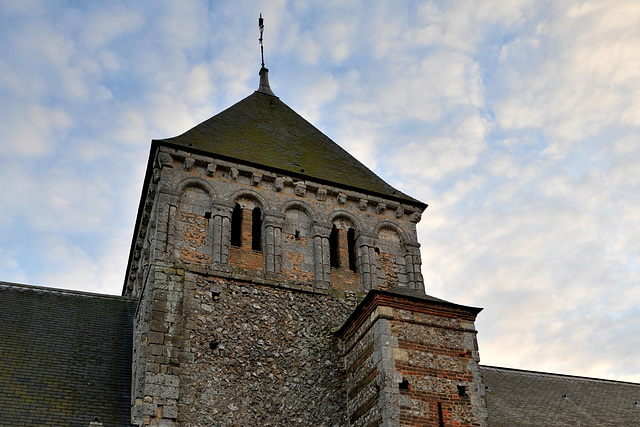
(334, 251)
(256, 229)
(351, 247)
(236, 226)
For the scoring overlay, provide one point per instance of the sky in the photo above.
(518, 122)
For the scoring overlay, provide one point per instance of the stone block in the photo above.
(168, 392)
(401, 354)
(385, 341)
(170, 412)
(156, 349)
(172, 380)
(156, 337)
(149, 409)
(404, 401)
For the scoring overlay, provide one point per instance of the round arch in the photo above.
(250, 194)
(404, 237)
(303, 206)
(192, 181)
(342, 213)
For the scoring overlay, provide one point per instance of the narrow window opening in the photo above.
(440, 417)
(297, 235)
(334, 252)
(207, 215)
(256, 229)
(236, 226)
(462, 390)
(351, 246)
(404, 385)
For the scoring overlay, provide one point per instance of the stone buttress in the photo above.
(411, 359)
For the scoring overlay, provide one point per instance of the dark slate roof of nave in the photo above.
(263, 131)
(65, 357)
(525, 398)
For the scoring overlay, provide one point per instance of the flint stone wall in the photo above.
(262, 356)
(246, 353)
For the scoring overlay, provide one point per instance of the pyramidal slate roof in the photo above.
(526, 398)
(65, 357)
(263, 131)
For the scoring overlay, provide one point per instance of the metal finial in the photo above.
(261, 26)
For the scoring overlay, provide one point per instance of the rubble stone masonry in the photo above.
(220, 351)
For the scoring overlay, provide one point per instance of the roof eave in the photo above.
(407, 200)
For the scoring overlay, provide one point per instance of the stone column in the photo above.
(272, 242)
(164, 223)
(220, 230)
(321, 233)
(413, 264)
(366, 262)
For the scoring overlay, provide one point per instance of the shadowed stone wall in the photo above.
(261, 355)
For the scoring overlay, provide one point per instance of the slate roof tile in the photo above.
(526, 398)
(65, 357)
(263, 131)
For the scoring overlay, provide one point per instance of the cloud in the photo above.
(516, 121)
(433, 157)
(33, 131)
(103, 23)
(580, 74)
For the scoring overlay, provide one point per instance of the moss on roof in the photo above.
(263, 131)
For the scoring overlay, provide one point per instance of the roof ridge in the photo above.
(60, 291)
(553, 374)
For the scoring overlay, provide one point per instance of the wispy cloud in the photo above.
(518, 122)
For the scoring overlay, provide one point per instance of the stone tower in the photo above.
(256, 242)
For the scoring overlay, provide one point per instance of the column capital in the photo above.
(366, 238)
(222, 208)
(321, 228)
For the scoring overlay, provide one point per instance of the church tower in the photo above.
(279, 283)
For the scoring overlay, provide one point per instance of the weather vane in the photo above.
(261, 26)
